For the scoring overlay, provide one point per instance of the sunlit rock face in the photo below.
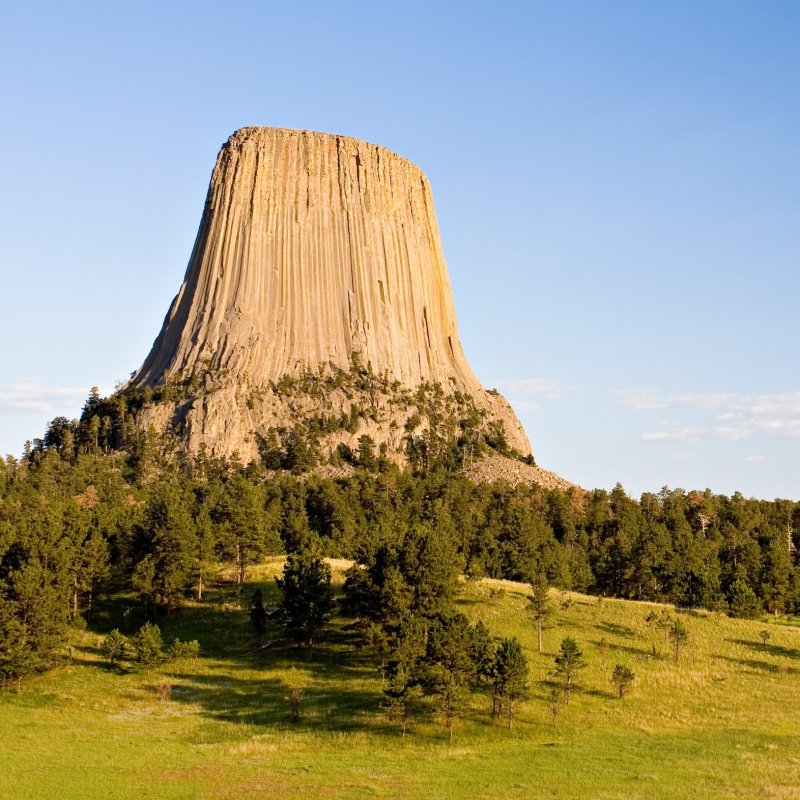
(316, 254)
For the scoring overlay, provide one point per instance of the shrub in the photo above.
(148, 644)
(622, 678)
(179, 649)
(114, 647)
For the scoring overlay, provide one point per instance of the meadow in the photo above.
(721, 722)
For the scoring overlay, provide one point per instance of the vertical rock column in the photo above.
(313, 248)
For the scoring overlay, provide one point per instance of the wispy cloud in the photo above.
(728, 416)
(679, 433)
(754, 459)
(34, 396)
(532, 387)
(524, 394)
(650, 400)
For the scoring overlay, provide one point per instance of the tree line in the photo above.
(76, 520)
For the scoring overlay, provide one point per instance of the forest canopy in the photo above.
(79, 516)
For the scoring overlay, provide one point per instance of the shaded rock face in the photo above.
(315, 252)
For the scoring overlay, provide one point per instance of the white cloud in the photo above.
(650, 400)
(754, 459)
(737, 415)
(33, 396)
(677, 434)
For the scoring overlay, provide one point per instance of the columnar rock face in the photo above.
(314, 252)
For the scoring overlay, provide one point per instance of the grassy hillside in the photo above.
(721, 722)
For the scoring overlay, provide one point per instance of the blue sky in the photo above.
(617, 185)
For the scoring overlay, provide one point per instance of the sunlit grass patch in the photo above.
(719, 722)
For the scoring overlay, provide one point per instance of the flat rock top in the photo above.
(265, 133)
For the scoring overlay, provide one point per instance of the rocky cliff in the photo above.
(317, 286)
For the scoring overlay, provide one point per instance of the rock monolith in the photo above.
(316, 290)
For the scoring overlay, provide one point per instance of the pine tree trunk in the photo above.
(539, 625)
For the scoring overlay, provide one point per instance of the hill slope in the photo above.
(720, 722)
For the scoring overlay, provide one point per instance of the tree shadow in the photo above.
(98, 661)
(470, 601)
(248, 679)
(616, 630)
(269, 701)
(123, 612)
(752, 664)
(693, 612)
(602, 693)
(621, 648)
(768, 649)
(337, 679)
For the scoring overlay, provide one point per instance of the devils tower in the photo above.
(316, 295)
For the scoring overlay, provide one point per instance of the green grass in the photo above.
(722, 722)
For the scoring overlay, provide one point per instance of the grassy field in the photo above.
(723, 722)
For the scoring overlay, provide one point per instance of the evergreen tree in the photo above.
(622, 678)
(163, 548)
(539, 603)
(662, 620)
(484, 650)
(449, 665)
(205, 542)
(148, 644)
(569, 662)
(776, 568)
(406, 648)
(258, 614)
(366, 453)
(510, 675)
(306, 594)
(33, 617)
(679, 636)
(743, 600)
(91, 570)
(240, 512)
(449, 691)
(114, 646)
(555, 697)
(428, 564)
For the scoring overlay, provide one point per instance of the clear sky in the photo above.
(617, 185)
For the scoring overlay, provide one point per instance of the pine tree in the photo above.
(114, 647)
(679, 636)
(241, 513)
(622, 678)
(743, 601)
(258, 614)
(449, 664)
(148, 644)
(307, 597)
(406, 647)
(510, 675)
(539, 603)
(164, 545)
(569, 662)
